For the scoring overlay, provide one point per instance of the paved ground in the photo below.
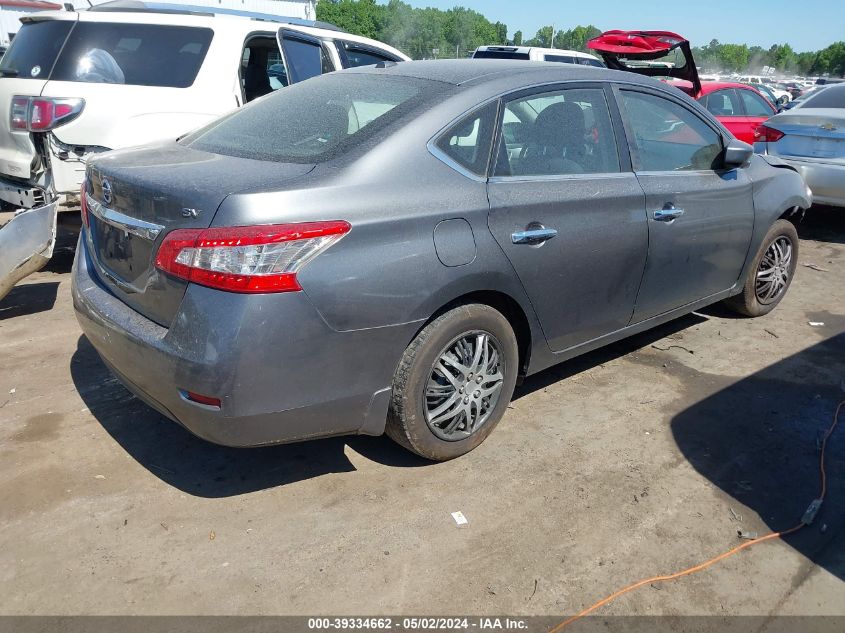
(640, 459)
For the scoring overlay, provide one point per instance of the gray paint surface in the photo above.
(321, 362)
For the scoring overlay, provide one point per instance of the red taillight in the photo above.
(765, 134)
(41, 114)
(247, 259)
(83, 203)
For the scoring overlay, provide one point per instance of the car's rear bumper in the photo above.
(826, 180)
(281, 373)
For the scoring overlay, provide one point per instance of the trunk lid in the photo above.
(811, 133)
(139, 195)
(650, 53)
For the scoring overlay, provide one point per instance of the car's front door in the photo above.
(700, 216)
(568, 212)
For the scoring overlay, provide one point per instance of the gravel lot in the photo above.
(643, 458)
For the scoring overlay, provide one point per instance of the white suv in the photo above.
(76, 83)
(537, 54)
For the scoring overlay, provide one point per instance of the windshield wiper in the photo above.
(9, 72)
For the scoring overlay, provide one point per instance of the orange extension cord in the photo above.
(814, 507)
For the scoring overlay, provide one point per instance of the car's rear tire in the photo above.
(454, 383)
(771, 272)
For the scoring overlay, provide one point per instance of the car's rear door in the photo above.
(568, 212)
(700, 216)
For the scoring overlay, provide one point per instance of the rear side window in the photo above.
(468, 141)
(359, 56)
(34, 49)
(558, 133)
(666, 136)
(833, 97)
(133, 54)
(317, 120)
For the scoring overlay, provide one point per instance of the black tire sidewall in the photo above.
(442, 331)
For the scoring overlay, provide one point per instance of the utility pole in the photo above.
(553, 37)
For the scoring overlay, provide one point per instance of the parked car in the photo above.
(75, 84)
(811, 138)
(783, 95)
(268, 278)
(537, 54)
(738, 107)
(767, 92)
(809, 92)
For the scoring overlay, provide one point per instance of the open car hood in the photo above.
(631, 50)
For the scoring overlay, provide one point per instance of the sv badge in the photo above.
(190, 213)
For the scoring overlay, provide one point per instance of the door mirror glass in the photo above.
(737, 153)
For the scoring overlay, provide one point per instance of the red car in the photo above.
(738, 107)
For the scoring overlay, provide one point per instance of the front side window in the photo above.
(558, 133)
(468, 141)
(315, 121)
(723, 103)
(666, 136)
(755, 105)
(133, 54)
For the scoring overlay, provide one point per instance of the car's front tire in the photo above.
(771, 272)
(454, 383)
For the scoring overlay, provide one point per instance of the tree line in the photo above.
(425, 33)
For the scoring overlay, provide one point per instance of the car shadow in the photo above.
(605, 355)
(203, 469)
(758, 441)
(823, 224)
(29, 299)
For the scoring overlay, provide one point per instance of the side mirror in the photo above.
(737, 153)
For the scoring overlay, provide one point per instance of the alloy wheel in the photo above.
(774, 271)
(464, 386)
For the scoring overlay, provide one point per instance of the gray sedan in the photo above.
(392, 248)
(811, 138)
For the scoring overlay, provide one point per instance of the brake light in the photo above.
(83, 202)
(765, 134)
(247, 259)
(41, 114)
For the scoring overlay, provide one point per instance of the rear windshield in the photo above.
(99, 52)
(34, 49)
(500, 55)
(317, 120)
(833, 97)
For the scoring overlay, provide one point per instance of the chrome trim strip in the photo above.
(145, 230)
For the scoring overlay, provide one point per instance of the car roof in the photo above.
(464, 71)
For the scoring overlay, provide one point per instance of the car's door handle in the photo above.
(668, 213)
(533, 236)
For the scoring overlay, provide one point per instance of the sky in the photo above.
(807, 25)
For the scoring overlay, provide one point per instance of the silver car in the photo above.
(392, 248)
(811, 138)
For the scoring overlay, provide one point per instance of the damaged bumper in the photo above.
(26, 244)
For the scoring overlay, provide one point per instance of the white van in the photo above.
(536, 54)
(76, 83)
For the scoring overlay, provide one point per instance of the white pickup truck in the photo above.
(124, 73)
